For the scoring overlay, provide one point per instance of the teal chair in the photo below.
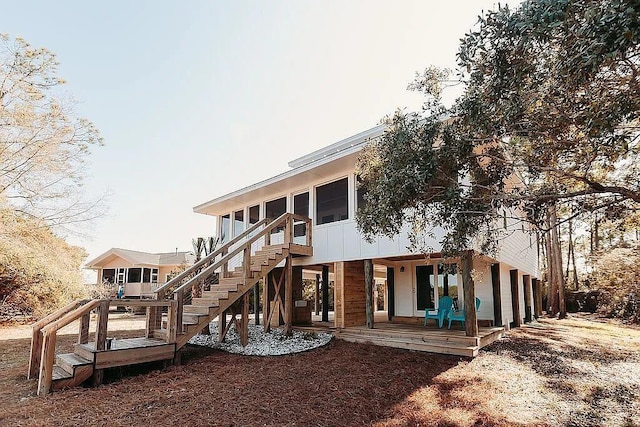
(444, 306)
(459, 314)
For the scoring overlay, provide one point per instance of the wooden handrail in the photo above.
(37, 336)
(209, 257)
(59, 313)
(247, 244)
(71, 316)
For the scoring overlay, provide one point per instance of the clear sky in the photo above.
(196, 99)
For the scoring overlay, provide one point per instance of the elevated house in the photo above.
(141, 273)
(296, 225)
(322, 185)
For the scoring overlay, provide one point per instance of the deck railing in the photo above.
(43, 343)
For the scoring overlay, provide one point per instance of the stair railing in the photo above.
(46, 330)
(287, 220)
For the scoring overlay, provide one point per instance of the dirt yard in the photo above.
(574, 372)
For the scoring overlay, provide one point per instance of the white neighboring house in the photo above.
(139, 272)
(322, 186)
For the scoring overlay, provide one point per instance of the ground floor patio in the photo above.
(412, 335)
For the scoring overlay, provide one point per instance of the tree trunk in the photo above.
(557, 262)
(552, 290)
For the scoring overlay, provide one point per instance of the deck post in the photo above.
(83, 332)
(316, 296)
(325, 293)
(36, 352)
(244, 330)
(515, 298)
(391, 300)
(537, 298)
(101, 338)
(256, 304)
(222, 324)
(288, 296)
(266, 309)
(470, 315)
(368, 285)
(526, 282)
(497, 299)
(46, 363)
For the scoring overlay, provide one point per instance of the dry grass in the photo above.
(571, 372)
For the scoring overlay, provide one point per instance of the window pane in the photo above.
(109, 275)
(275, 208)
(134, 275)
(425, 290)
(332, 202)
(300, 207)
(146, 275)
(254, 214)
(238, 223)
(301, 204)
(224, 229)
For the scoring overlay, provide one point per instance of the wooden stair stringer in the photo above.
(223, 304)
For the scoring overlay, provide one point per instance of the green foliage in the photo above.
(549, 115)
(617, 275)
(38, 271)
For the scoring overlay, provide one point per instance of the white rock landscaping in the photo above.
(274, 343)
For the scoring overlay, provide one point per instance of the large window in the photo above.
(254, 214)
(109, 275)
(224, 228)
(332, 202)
(275, 208)
(238, 223)
(448, 280)
(134, 275)
(300, 207)
(150, 275)
(425, 289)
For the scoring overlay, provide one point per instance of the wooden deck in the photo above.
(127, 352)
(417, 337)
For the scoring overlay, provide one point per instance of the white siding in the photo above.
(518, 248)
(505, 293)
(484, 290)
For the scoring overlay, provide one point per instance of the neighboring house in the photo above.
(322, 185)
(140, 272)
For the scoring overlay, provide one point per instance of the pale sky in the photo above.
(196, 99)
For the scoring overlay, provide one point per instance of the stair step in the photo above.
(230, 281)
(60, 373)
(208, 301)
(230, 287)
(196, 309)
(69, 361)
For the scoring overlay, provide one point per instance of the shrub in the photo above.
(616, 274)
(39, 271)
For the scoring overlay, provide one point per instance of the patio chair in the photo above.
(444, 306)
(459, 314)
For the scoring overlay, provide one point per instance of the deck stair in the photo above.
(189, 308)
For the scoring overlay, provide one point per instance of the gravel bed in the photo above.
(273, 343)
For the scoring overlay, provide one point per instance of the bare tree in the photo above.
(43, 144)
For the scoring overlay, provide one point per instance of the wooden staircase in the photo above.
(197, 315)
(164, 338)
